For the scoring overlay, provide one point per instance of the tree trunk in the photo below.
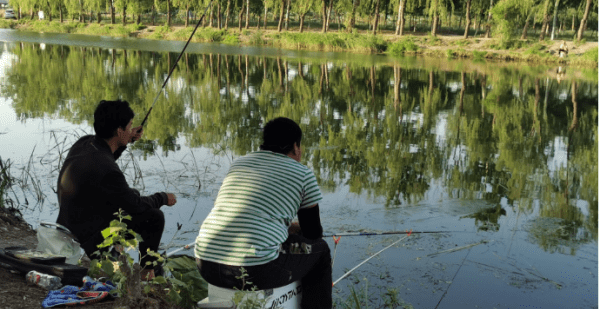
(187, 15)
(265, 22)
(60, 13)
(281, 16)
(287, 15)
(168, 13)
(524, 33)
(376, 21)
(400, 22)
(258, 23)
(467, 19)
(554, 20)
(434, 25)
(302, 16)
(545, 21)
(573, 23)
(329, 15)
(227, 14)
(324, 12)
(488, 26)
(584, 20)
(219, 16)
(240, 16)
(247, 14)
(99, 17)
(153, 16)
(355, 3)
(211, 17)
(112, 13)
(124, 19)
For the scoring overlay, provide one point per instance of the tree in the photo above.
(376, 21)
(281, 15)
(544, 20)
(164, 6)
(584, 19)
(554, 19)
(186, 5)
(302, 7)
(467, 18)
(400, 22)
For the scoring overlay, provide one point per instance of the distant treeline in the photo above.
(505, 19)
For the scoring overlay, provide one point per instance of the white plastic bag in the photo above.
(56, 239)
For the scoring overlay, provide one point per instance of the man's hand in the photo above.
(172, 200)
(294, 229)
(137, 133)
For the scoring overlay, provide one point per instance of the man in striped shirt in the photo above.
(248, 225)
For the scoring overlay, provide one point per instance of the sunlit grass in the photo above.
(329, 41)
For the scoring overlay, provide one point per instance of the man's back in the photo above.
(82, 205)
(260, 196)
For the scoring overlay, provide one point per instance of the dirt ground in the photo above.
(15, 293)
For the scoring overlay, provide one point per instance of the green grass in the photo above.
(211, 35)
(479, 55)
(232, 38)
(404, 45)
(591, 55)
(330, 41)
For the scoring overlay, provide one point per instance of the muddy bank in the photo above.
(15, 293)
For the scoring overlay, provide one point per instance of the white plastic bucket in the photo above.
(285, 297)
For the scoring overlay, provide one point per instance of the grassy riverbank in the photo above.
(415, 43)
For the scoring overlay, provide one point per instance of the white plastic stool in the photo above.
(285, 297)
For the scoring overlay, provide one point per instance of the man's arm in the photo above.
(116, 188)
(310, 222)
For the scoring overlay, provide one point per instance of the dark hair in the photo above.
(280, 134)
(109, 116)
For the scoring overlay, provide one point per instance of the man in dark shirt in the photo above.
(91, 187)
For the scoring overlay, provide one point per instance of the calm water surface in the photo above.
(502, 156)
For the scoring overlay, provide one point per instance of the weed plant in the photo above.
(232, 38)
(479, 55)
(330, 41)
(402, 46)
(184, 285)
(211, 35)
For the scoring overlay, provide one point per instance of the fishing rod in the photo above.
(383, 233)
(372, 256)
(175, 64)
(188, 246)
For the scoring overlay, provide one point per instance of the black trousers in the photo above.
(149, 224)
(313, 269)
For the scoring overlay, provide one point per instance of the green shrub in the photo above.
(450, 53)
(330, 41)
(257, 38)
(211, 35)
(245, 32)
(402, 46)
(7, 24)
(232, 38)
(479, 55)
(135, 27)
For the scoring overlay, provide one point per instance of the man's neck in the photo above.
(113, 144)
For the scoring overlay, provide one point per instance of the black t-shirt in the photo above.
(91, 188)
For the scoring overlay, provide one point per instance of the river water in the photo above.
(501, 157)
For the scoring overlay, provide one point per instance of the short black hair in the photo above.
(109, 116)
(280, 134)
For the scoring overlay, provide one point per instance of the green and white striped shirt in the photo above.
(258, 199)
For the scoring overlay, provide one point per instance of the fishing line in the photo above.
(176, 61)
(461, 264)
(374, 255)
